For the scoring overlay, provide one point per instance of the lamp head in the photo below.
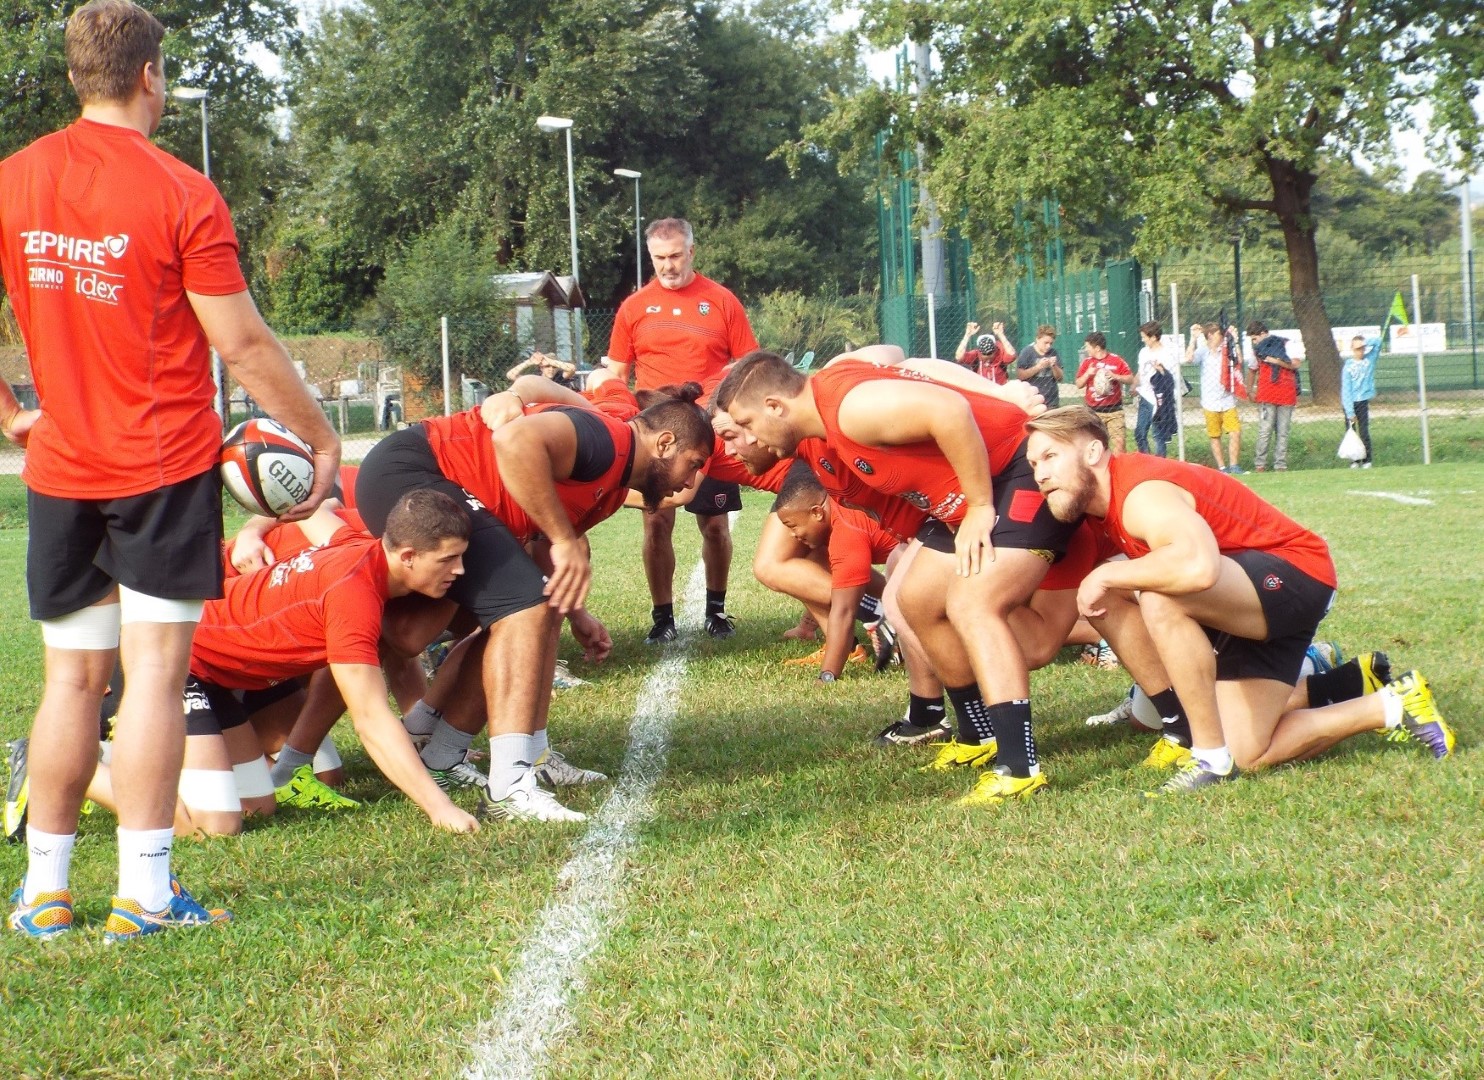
(550, 124)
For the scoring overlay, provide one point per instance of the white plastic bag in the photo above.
(1351, 448)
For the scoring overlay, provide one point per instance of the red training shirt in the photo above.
(673, 336)
(1239, 519)
(101, 236)
(1113, 364)
(856, 544)
(323, 606)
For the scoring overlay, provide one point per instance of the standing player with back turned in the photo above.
(121, 263)
(679, 328)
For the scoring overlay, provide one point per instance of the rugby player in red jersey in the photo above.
(1215, 606)
(959, 456)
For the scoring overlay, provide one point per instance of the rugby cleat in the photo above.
(1121, 713)
(525, 802)
(128, 921)
(48, 917)
(1420, 716)
(1167, 753)
(902, 733)
(554, 769)
(1375, 670)
(1192, 777)
(720, 625)
(563, 679)
(883, 641)
(996, 787)
(308, 792)
(17, 791)
(1100, 656)
(956, 755)
(662, 633)
(454, 778)
(1324, 655)
(814, 659)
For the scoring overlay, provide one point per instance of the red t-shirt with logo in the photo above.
(1112, 364)
(896, 515)
(1239, 519)
(465, 451)
(674, 336)
(101, 236)
(286, 541)
(856, 544)
(918, 472)
(322, 606)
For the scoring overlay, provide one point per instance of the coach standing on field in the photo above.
(678, 328)
(121, 263)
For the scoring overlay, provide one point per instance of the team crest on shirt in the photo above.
(917, 499)
(864, 466)
(704, 308)
(301, 563)
(1272, 583)
(652, 309)
(824, 463)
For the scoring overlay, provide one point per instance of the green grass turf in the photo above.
(802, 904)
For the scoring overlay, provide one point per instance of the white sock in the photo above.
(539, 745)
(1391, 703)
(1218, 761)
(510, 758)
(421, 718)
(144, 866)
(48, 864)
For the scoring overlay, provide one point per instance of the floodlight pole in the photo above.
(631, 174)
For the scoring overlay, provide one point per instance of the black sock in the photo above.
(1338, 684)
(869, 609)
(662, 613)
(974, 725)
(1017, 746)
(925, 711)
(716, 601)
(1172, 712)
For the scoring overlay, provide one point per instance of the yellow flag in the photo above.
(1398, 311)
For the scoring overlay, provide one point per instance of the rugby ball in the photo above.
(266, 467)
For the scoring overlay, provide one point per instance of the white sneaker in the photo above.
(462, 775)
(525, 802)
(563, 679)
(556, 770)
(1121, 713)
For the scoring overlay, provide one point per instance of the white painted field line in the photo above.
(551, 971)
(1405, 500)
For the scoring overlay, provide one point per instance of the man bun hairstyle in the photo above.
(680, 416)
(689, 392)
(423, 519)
(757, 375)
(1069, 424)
(108, 42)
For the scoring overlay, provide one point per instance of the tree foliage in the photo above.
(410, 117)
(1164, 112)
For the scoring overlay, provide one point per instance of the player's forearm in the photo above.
(839, 632)
(390, 749)
(539, 390)
(1176, 569)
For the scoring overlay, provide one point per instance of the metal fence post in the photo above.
(447, 390)
(1421, 376)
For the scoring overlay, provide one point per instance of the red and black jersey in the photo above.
(896, 515)
(1239, 519)
(917, 472)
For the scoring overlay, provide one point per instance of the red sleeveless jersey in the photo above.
(465, 451)
(918, 472)
(1240, 520)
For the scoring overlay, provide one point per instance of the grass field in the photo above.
(801, 904)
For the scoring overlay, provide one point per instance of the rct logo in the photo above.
(117, 245)
(97, 288)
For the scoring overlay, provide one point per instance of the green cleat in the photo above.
(308, 792)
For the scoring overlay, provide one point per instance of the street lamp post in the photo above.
(630, 174)
(218, 373)
(550, 124)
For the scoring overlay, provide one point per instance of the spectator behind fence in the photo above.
(1153, 397)
(1357, 387)
(558, 371)
(1277, 393)
(1039, 365)
(1217, 400)
(991, 355)
(1101, 378)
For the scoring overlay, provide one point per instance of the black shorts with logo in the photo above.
(1293, 603)
(499, 578)
(715, 497)
(1022, 517)
(165, 543)
(211, 709)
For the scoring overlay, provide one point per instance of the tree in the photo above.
(1168, 111)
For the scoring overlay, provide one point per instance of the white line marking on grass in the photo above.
(550, 972)
(1405, 500)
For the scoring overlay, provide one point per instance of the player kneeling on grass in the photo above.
(324, 607)
(1215, 606)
